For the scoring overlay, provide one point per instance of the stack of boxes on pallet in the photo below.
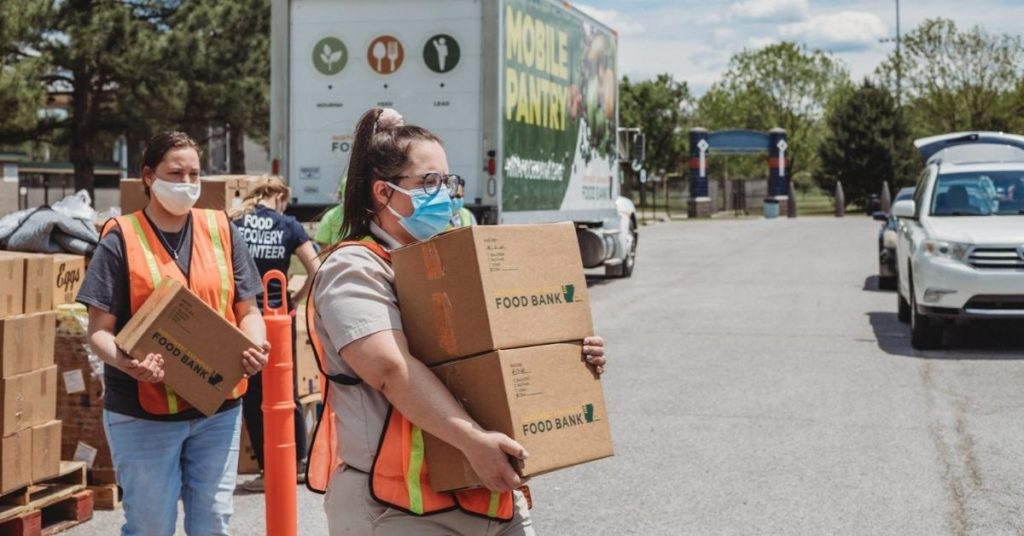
(499, 313)
(30, 444)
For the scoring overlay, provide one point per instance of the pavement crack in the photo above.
(954, 444)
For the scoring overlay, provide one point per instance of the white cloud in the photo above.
(616, 20)
(761, 42)
(843, 31)
(771, 10)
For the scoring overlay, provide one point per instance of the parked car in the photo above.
(887, 267)
(960, 247)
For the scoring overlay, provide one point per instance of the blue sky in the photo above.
(693, 39)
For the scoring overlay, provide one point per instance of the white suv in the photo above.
(960, 249)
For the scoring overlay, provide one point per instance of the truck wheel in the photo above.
(902, 308)
(630, 261)
(925, 333)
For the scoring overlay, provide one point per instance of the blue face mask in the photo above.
(431, 214)
(457, 204)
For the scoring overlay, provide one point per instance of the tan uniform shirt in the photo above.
(355, 297)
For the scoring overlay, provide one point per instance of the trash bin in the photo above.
(771, 208)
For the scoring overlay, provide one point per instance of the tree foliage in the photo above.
(131, 69)
(781, 85)
(867, 143)
(662, 109)
(955, 80)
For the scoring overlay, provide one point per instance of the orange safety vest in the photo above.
(399, 477)
(211, 278)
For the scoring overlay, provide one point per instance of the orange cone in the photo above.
(279, 468)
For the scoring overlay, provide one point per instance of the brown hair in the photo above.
(161, 144)
(264, 187)
(379, 152)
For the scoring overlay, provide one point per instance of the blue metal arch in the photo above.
(738, 142)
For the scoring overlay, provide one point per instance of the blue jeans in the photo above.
(157, 462)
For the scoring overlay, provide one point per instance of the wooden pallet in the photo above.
(106, 496)
(53, 518)
(69, 481)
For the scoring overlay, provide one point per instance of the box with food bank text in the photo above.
(202, 351)
(491, 287)
(544, 397)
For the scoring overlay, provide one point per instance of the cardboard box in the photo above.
(202, 351)
(247, 464)
(307, 372)
(490, 287)
(45, 451)
(15, 451)
(28, 399)
(38, 283)
(12, 285)
(44, 409)
(26, 343)
(219, 192)
(544, 397)
(68, 274)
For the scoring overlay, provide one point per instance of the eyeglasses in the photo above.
(432, 182)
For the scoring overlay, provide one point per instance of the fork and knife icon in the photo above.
(386, 49)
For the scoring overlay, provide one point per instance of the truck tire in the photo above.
(925, 333)
(630, 261)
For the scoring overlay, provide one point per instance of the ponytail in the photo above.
(380, 151)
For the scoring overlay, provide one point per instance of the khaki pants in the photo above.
(352, 511)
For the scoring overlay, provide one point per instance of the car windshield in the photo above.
(979, 194)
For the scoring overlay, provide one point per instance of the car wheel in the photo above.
(902, 308)
(630, 260)
(886, 282)
(925, 333)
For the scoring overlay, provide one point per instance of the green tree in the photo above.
(954, 80)
(21, 94)
(781, 85)
(106, 58)
(662, 109)
(867, 142)
(223, 55)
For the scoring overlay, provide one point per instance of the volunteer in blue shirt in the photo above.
(272, 238)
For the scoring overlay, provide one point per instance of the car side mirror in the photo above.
(880, 216)
(904, 209)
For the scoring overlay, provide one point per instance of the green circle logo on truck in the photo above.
(441, 53)
(330, 56)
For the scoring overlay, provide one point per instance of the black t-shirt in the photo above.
(272, 239)
(106, 287)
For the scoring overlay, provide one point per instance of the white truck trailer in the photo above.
(524, 94)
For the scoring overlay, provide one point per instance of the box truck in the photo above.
(524, 94)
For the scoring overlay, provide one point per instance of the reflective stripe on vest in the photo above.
(399, 477)
(211, 278)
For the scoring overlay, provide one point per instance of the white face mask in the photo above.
(177, 197)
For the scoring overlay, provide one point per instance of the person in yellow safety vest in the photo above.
(164, 450)
(379, 400)
(461, 216)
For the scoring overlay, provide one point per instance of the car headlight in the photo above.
(949, 250)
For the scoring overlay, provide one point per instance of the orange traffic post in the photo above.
(279, 468)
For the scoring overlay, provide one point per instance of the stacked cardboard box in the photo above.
(30, 444)
(499, 313)
(80, 396)
(220, 192)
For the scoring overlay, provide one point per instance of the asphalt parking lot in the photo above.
(760, 383)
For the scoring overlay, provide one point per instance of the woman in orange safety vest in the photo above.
(164, 450)
(367, 454)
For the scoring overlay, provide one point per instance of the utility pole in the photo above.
(899, 58)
